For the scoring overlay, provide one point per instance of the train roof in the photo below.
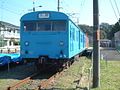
(42, 15)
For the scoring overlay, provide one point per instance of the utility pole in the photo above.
(96, 45)
(58, 5)
(33, 9)
(33, 6)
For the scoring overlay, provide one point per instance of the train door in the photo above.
(83, 41)
(79, 40)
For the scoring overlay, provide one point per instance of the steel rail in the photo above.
(47, 83)
(21, 82)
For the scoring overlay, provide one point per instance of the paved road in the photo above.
(110, 54)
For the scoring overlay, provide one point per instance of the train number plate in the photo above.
(44, 15)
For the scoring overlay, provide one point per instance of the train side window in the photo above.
(70, 34)
(81, 38)
(59, 26)
(77, 35)
(29, 26)
(73, 33)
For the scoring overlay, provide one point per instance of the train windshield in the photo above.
(45, 26)
(58, 25)
(29, 26)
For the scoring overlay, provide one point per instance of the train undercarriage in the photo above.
(44, 61)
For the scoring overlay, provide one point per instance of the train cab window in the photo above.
(44, 26)
(29, 26)
(59, 25)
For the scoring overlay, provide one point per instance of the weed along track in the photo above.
(76, 77)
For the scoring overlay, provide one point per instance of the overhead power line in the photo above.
(10, 11)
(117, 7)
(113, 9)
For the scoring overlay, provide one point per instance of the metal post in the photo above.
(96, 44)
(33, 6)
(8, 64)
(58, 5)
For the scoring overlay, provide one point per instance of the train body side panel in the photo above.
(76, 40)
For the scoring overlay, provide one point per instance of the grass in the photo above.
(110, 76)
(14, 75)
(72, 75)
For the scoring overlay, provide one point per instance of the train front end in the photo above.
(44, 35)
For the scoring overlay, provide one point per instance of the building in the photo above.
(105, 43)
(117, 39)
(9, 34)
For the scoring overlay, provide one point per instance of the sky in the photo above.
(81, 11)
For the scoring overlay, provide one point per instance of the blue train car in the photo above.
(50, 35)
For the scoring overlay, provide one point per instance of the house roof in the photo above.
(8, 25)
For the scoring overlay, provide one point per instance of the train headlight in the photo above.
(61, 43)
(26, 43)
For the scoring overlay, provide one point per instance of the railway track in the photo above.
(50, 81)
(42, 83)
(21, 82)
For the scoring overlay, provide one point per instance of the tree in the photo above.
(103, 34)
(106, 28)
(87, 29)
(115, 29)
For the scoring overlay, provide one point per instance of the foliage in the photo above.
(105, 30)
(115, 29)
(87, 29)
(103, 34)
